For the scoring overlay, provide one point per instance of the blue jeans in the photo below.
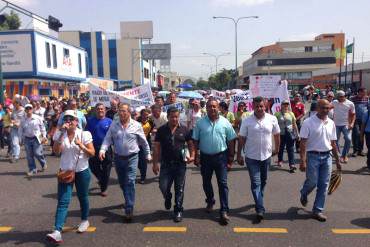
(82, 182)
(318, 174)
(143, 164)
(16, 149)
(347, 139)
(215, 163)
(258, 176)
(358, 146)
(286, 141)
(34, 150)
(169, 174)
(126, 172)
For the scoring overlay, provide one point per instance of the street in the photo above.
(28, 207)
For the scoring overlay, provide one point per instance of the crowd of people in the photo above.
(209, 136)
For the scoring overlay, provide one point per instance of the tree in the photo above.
(202, 84)
(220, 80)
(12, 22)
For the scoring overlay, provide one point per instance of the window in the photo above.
(146, 73)
(79, 63)
(54, 50)
(65, 53)
(48, 59)
(308, 49)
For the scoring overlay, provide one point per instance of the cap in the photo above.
(341, 93)
(285, 102)
(227, 91)
(71, 113)
(28, 106)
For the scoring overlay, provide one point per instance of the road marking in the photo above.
(351, 231)
(164, 229)
(73, 229)
(260, 230)
(5, 228)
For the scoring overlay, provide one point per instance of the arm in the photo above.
(156, 155)
(191, 151)
(106, 143)
(241, 144)
(335, 154)
(302, 147)
(231, 148)
(196, 156)
(58, 142)
(143, 142)
(351, 120)
(86, 148)
(277, 144)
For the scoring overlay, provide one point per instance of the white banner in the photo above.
(218, 94)
(141, 93)
(178, 105)
(100, 95)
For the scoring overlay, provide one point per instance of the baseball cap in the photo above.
(70, 113)
(341, 93)
(285, 102)
(227, 91)
(28, 106)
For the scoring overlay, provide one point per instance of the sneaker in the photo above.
(83, 226)
(319, 216)
(224, 219)
(129, 216)
(141, 181)
(44, 168)
(304, 201)
(55, 237)
(259, 216)
(361, 154)
(178, 217)
(31, 173)
(209, 207)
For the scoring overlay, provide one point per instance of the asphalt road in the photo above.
(28, 207)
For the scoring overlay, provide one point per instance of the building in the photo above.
(114, 58)
(34, 63)
(361, 76)
(295, 60)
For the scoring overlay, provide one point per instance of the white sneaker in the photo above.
(82, 227)
(55, 237)
(31, 173)
(44, 168)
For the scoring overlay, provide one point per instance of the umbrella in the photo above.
(190, 95)
(335, 179)
(185, 86)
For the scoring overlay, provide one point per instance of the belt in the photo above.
(212, 155)
(125, 157)
(317, 152)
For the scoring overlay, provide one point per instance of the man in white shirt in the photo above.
(256, 132)
(158, 117)
(344, 119)
(318, 141)
(32, 132)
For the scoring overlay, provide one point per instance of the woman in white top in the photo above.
(75, 147)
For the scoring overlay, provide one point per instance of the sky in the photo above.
(189, 27)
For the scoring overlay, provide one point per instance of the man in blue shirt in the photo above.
(98, 127)
(214, 135)
(361, 101)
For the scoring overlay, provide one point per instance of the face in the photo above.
(71, 122)
(159, 101)
(285, 107)
(100, 111)
(124, 113)
(172, 98)
(330, 98)
(113, 105)
(73, 105)
(297, 98)
(173, 118)
(323, 108)
(144, 116)
(259, 107)
(362, 93)
(341, 98)
(28, 110)
(212, 109)
(156, 112)
(241, 107)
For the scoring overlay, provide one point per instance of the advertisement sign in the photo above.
(16, 52)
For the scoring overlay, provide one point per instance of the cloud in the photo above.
(302, 36)
(25, 3)
(232, 3)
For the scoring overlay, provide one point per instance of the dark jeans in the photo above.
(299, 124)
(142, 164)
(2, 143)
(286, 141)
(358, 146)
(173, 173)
(367, 136)
(215, 163)
(258, 175)
(101, 169)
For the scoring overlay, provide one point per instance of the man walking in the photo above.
(318, 141)
(256, 134)
(215, 137)
(98, 127)
(361, 102)
(344, 119)
(33, 133)
(17, 116)
(169, 146)
(126, 135)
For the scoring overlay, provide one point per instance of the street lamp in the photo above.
(216, 57)
(236, 21)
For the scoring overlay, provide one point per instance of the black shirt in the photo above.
(110, 114)
(172, 146)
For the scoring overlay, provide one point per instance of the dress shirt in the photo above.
(213, 136)
(32, 127)
(258, 134)
(319, 133)
(127, 140)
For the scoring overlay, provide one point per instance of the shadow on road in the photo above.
(19, 238)
(361, 222)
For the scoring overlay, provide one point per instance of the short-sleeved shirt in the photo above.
(73, 158)
(361, 105)
(258, 134)
(213, 136)
(193, 117)
(298, 109)
(366, 121)
(319, 133)
(172, 145)
(230, 116)
(285, 120)
(98, 129)
(158, 122)
(341, 110)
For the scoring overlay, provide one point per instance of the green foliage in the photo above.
(220, 80)
(12, 22)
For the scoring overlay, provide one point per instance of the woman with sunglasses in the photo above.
(75, 147)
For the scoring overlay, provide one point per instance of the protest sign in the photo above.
(141, 93)
(177, 105)
(218, 94)
(241, 97)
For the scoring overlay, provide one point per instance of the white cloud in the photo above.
(302, 36)
(232, 3)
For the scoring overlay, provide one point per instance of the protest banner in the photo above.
(141, 93)
(218, 94)
(178, 105)
(241, 97)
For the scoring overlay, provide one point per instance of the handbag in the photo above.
(68, 176)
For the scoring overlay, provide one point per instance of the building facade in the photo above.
(114, 58)
(36, 64)
(295, 61)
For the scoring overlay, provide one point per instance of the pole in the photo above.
(340, 65)
(236, 54)
(353, 60)
(345, 73)
(1, 83)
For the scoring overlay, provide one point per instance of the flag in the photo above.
(340, 53)
(349, 48)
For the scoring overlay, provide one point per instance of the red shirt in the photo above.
(297, 109)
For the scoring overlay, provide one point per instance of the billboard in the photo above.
(16, 53)
(156, 51)
(137, 29)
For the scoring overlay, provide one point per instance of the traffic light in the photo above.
(54, 23)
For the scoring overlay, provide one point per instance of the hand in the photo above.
(240, 160)
(64, 127)
(78, 142)
(339, 166)
(156, 169)
(197, 161)
(302, 167)
(229, 165)
(149, 159)
(44, 140)
(189, 160)
(101, 156)
(274, 152)
(350, 126)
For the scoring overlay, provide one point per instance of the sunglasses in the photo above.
(28, 108)
(68, 119)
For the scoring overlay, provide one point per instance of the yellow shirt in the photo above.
(6, 120)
